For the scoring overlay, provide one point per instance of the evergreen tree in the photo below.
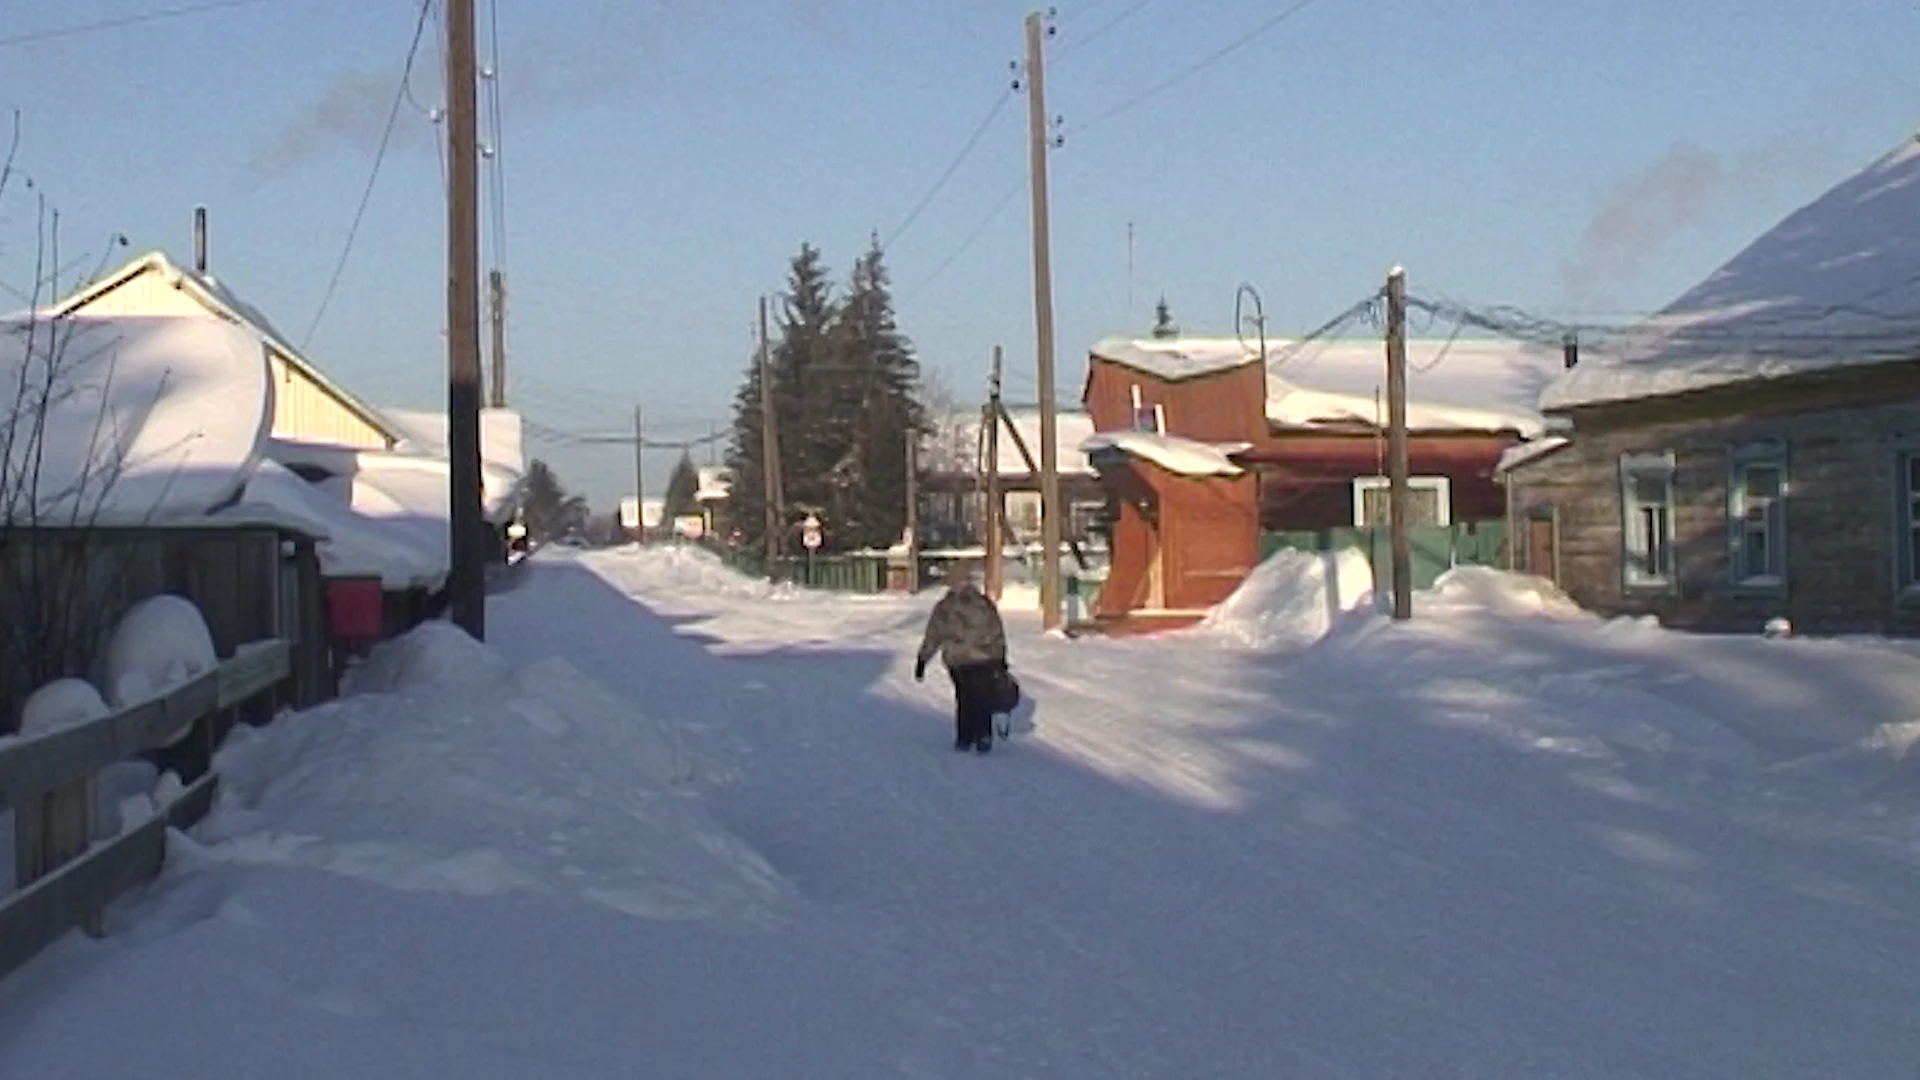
(875, 406)
(683, 487)
(801, 372)
(550, 511)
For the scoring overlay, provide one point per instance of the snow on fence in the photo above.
(47, 781)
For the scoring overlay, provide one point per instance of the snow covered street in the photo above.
(673, 823)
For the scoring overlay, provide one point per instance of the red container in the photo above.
(354, 607)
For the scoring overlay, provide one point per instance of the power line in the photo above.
(973, 140)
(1101, 31)
(379, 156)
(497, 162)
(1203, 63)
(125, 20)
(992, 215)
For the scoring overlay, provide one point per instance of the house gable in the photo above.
(308, 406)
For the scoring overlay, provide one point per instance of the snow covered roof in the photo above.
(147, 418)
(350, 544)
(1833, 284)
(715, 483)
(220, 299)
(954, 442)
(1454, 385)
(1173, 359)
(1185, 457)
(1520, 453)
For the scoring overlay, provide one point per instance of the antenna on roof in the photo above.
(200, 239)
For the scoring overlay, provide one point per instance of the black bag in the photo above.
(1004, 690)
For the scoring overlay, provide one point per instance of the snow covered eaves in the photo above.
(1174, 359)
(138, 418)
(1831, 286)
(222, 301)
(1177, 455)
(1521, 453)
(1452, 385)
(349, 544)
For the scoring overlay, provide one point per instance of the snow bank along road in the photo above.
(674, 823)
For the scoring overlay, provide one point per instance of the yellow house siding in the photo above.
(144, 294)
(304, 412)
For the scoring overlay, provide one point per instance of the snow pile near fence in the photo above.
(671, 570)
(449, 770)
(1292, 599)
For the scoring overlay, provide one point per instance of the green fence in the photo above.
(1436, 548)
(836, 573)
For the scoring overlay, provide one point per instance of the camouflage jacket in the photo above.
(964, 628)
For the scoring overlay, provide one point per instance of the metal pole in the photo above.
(995, 509)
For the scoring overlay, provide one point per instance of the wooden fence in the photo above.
(65, 882)
(69, 587)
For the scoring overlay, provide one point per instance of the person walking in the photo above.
(966, 631)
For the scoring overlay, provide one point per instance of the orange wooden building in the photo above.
(1203, 443)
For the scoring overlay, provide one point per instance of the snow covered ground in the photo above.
(675, 823)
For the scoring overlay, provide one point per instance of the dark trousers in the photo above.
(972, 702)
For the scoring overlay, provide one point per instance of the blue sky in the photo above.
(663, 160)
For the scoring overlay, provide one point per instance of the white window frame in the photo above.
(1742, 460)
(1440, 484)
(1158, 412)
(1636, 548)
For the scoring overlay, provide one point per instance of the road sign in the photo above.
(810, 532)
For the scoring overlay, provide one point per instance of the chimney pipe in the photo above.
(1570, 349)
(200, 239)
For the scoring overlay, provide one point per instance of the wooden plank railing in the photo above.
(65, 880)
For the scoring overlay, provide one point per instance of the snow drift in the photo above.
(450, 770)
(1292, 599)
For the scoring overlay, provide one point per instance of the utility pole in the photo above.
(776, 515)
(639, 474)
(497, 295)
(1043, 328)
(913, 509)
(996, 505)
(1397, 524)
(466, 584)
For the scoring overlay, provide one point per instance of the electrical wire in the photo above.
(1202, 64)
(992, 215)
(497, 162)
(966, 149)
(1101, 31)
(379, 156)
(125, 20)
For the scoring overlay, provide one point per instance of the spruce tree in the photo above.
(877, 405)
(1163, 326)
(683, 489)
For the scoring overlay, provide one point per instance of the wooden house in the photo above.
(952, 458)
(1223, 443)
(1753, 451)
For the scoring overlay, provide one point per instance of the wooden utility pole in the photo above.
(639, 474)
(913, 509)
(1397, 524)
(497, 295)
(466, 584)
(776, 514)
(1043, 327)
(995, 509)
